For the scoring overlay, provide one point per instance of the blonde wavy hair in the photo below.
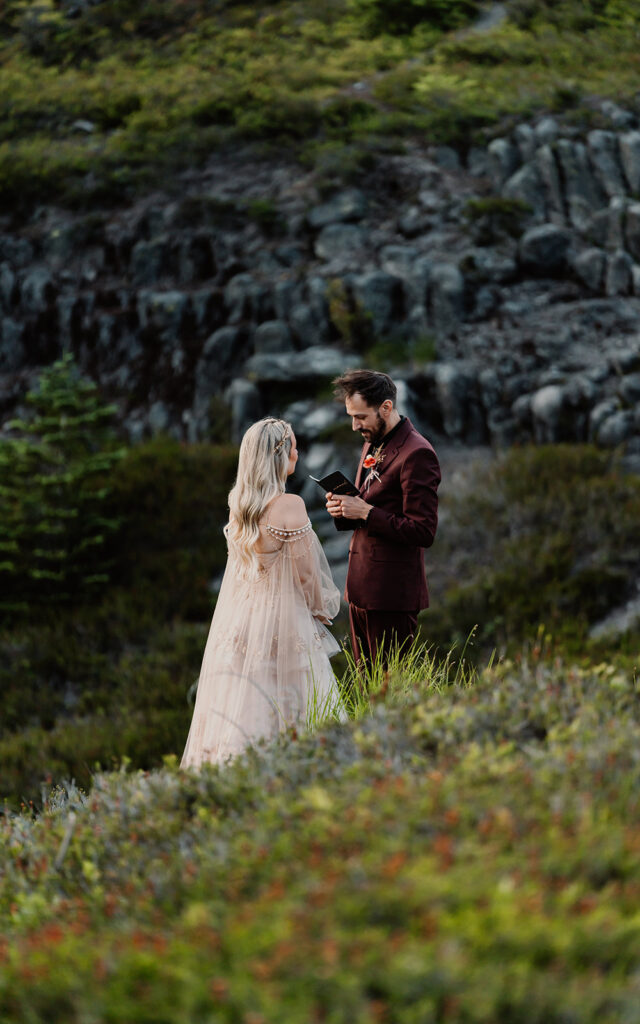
(262, 474)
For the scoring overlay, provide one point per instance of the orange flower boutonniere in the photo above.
(370, 463)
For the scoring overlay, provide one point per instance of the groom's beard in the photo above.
(374, 436)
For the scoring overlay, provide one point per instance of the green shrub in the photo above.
(129, 650)
(351, 320)
(172, 500)
(545, 535)
(495, 218)
(573, 15)
(54, 481)
(400, 16)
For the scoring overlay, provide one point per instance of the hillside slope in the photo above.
(100, 100)
(470, 855)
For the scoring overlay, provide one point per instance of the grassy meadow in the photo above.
(100, 101)
(466, 853)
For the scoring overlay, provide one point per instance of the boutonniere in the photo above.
(375, 458)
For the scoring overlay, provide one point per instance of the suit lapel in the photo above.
(366, 448)
(390, 453)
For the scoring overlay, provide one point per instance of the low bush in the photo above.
(172, 500)
(397, 17)
(546, 535)
(72, 678)
(494, 218)
(464, 856)
(573, 15)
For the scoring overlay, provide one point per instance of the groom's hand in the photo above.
(347, 507)
(334, 505)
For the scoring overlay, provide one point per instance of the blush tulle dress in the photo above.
(266, 662)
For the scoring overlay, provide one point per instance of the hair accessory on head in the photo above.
(280, 443)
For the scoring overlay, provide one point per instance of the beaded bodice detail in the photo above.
(288, 535)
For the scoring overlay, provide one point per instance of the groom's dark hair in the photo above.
(374, 387)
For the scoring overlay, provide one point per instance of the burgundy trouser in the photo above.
(374, 628)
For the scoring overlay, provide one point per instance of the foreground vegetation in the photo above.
(100, 100)
(465, 855)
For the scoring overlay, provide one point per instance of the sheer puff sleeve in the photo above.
(309, 568)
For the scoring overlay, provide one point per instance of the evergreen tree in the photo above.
(54, 479)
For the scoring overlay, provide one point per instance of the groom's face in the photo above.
(366, 419)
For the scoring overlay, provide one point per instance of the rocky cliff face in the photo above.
(506, 286)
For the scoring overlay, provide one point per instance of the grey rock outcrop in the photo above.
(12, 352)
(504, 157)
(550, 175)
(273, 336)
(616, 429)
(549, 414)
(245, 403)
(605, 156)
(348, 205)
(317, 362)
(340, 241)
(630, 158)
(583, 193)
(150, 260)
(8, 288)
(247, 299)
(446, 298)
(309, 328)
(619, 279)
(38, 291)
(632, 230)
(590, 266)
(219, 354)
(380, 295)
(504, 322)
(543, 250)
(527, 186)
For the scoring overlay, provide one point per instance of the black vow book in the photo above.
(337, 483)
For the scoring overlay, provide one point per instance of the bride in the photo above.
(266, 661)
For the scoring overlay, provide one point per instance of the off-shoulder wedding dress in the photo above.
(266, 661)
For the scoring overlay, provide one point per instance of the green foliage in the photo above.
(424, 349)
(495, 217)
(140, 73)
(466, 856)
(351, 320)
(573, 15)
(548, 534)
(54, 480)
(397, 17)
(265, 213)
(109, 676)
(172, 499)
(63, 31)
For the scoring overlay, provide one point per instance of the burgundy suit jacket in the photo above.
(386, 559)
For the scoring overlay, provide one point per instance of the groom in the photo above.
(394, 517)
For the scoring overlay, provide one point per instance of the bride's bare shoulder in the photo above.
(289, 512)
